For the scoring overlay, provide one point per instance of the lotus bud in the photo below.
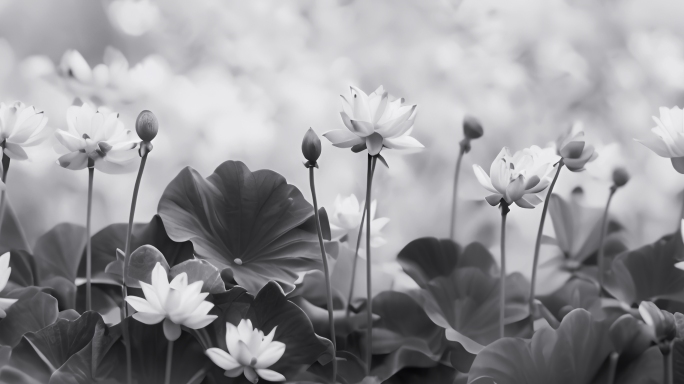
(662, 323)
(574, 150)
(620, 177)
(311, 148)
(472, 129)
(147, 126)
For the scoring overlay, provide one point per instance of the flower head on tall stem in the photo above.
(472, 129)
(21, 126)
(668, 136)
(574, 150)
(620, 178)
(249, 353)
(374, 122)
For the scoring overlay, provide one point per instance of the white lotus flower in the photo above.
(5, 271)
(21, 126)
(668, 136)
(520, 177)
(347, 215)
(176, 303)
(374, 122)
(249, 352)
(97, 138)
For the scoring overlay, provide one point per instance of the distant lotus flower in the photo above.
(97, 137)
(347, 217)
(21, 126)
(176, 303)
(249, 352)
(374, 122)
(574, 150)
(5, 271)
(668, 136)
(518, 178)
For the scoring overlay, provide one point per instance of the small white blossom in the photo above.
(346, 219)
(21, 126)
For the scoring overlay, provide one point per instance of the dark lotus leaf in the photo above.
(577, 228)
(678, 361)
(106, 301)
(12, 236)
(648, 273)
(630, 337)
(646, 369)
(577, 293)
(404, 336)
(58, 252)
(572, 354)
(63, 290)
(113, 237)
(427, 258)
(24, 271)
(466, 304)
(270, 308)
(344, 325)
(350, 369)
(141, 264)
(310, 224)
(33, 311)
(312, 287)
(200, 270)
(255, 217)
(436, 374)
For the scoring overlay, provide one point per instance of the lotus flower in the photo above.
(249, 352)
(574, 150)
(518, 178)
(347, 217)
(374, 122)
(21, 126)
(5, 271)
(176, 303)
(668, 136)
(97, 138)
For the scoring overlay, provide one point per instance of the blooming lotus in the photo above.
(374, 122)
(5, 271)
(518, 178)
(97, 138)
(21, 126)
(176, 303)
(249, 352)
(668, 136)
(574, 150)
(347, 217)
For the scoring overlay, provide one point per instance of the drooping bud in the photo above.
(472, 129)
(146, 126)
(311, 147)
(620, 177)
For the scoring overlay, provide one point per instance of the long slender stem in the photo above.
(667, 364)
(89, 261)
(604, 227)
(612, 367)
(369, 290)
(502, 278)
(169, 361)
(127, 255)
(3, 194)
(454, 201)
(327, 273)
(356, 257)
(537, 245)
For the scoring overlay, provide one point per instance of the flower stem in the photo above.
(326, 269)
(89, 261)
(356, 257)
(537, 245)
(369, 290)
(667, 363)
(454, 201)
(3, 194)
(127, 255)
(502, 278)
(612, 367)
(169, 360)
(604, 227)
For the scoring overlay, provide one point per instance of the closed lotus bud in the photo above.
(146, 125)
(620, 177)
(472, 129)
(661, 322)
(311, 146)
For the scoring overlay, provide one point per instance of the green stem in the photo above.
(502, 278)
(604, 227)
(369, 290)
(89, 261)
(454, 201)
(127, 255)
(537, 245)
(169, 360)
(327, 273)
(612, 367)
(667, 364)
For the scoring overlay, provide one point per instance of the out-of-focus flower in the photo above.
(573, 148)
(347, 217)
(21, 126)
(620, 177)
(374, 122)
(472, 129)
(311, 147)
(97, 138)
(176, 303)
(668, 136)
(134, 18)
(5, 271)
(662, 323)
(249, 352)
(518, 178)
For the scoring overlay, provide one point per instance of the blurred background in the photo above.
(243, 80)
